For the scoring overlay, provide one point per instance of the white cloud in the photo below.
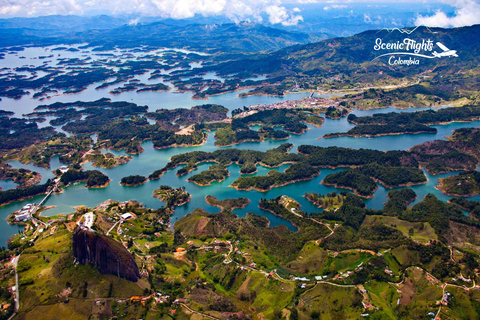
(9, 10)
(277, 14)
(467, 13)
(236, 10)
(335, 7)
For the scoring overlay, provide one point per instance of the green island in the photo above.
(466, 184)
(216, 172)
(294, 173)
(381, 124)
(270, 158)
(23, 177)
(331, 201)
(93, 178)
(172, 197)
(105, 160)
(399, 168)
(133, 180)
(291, 121)
(8, 196)
(227, 204)
(362, 180)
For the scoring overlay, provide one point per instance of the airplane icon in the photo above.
(446, 52)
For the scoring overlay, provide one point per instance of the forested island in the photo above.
(23, 177)
(290, 120)
(227, 204)
(331, 201)
(12, 195)
(172, 197)
(363, 179)
(381, 124)
(93, 178)
(397, 169)
(105, 160)
(294, 173)
(216, 172)
(133, 181)
(466, 184)
(270, 158)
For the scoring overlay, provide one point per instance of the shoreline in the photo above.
(157, 196)
(439, 187)
(134, 184)
(182, 145)
(100, 186)
(408, 184)
(372, 135)
(274, 185)
(277, 215)
(350, 188)
(223, 208)
(209, 183)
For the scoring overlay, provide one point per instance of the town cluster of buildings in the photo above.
(25, 213)
(312, 102)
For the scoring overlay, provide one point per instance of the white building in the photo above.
(126, 216)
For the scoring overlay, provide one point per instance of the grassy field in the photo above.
(310, 261)
(345, 261)
(422, 231)
(385, 297)
(270, 294)
(418, 294)
(46, 270)
(331, 302)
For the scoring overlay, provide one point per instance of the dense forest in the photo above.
(93, 178)
(134, 180)
(362, 179)
(272, 158)
(465, 184)
(296, 172)
(172, 197)
(24, 193)
(407, 122)
(216, 172)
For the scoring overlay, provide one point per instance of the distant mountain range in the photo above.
(57, 24)
(354, 55)
(107, 33)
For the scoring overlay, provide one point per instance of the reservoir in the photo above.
(151, 159)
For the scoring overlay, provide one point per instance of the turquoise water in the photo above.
(151, 160)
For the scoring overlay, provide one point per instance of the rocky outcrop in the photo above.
(105, 254)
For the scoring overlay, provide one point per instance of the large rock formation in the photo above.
(104, 253)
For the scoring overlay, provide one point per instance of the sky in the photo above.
(275, 12)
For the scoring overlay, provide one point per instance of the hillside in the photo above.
(228, 37)
(352, 55)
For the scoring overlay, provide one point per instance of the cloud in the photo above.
(236, 10)
(467, 13)
(277, 14)
(9, 10)
(335, 7)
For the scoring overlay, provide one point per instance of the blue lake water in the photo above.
(151, 159)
